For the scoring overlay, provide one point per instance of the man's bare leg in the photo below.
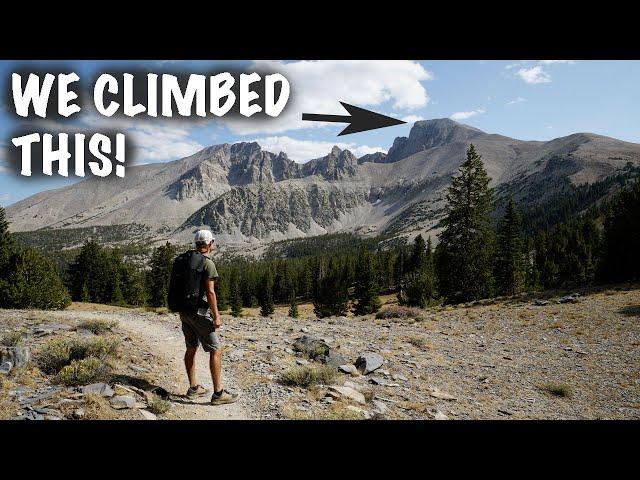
(215, 364)
(190, 365)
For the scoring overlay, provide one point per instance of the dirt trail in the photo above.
(166, 342)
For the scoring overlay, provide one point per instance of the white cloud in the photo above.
(552, 62)
(154, 141)
(319, 86)
(412, 118)
(465, 115)
(534, 74)
(304, 150)
(516, 100)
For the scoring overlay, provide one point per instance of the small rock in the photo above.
(147, 415)
(369, 362)
(349, 368)
(348, 393)
(102, 389)
(327, 399)
(440, 416)
(304, 330)
(120, 402)
(288, 350)
(137, 368)
(301, 361)
(377, 381)
(6, 367)
(19, 356)
(78, 413)
(437, 393)
(379, 407)
(540, 303)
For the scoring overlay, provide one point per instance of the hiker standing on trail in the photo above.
(192, 295)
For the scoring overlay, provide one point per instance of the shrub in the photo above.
(81, 372)
(557, 389)
(61, 352)
(54, 355)
(158, 405)
(417, 342)
(303, 376)
(400, 312)
(11, 339)
(97, 326)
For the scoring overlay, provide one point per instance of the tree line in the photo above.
(476, 257)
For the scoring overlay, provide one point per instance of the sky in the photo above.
(523, 99)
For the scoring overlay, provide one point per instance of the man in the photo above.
(200, 324)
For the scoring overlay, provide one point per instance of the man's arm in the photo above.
(213, 302)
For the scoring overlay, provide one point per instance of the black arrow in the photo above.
(359, 119)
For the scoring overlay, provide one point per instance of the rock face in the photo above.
(244, 193)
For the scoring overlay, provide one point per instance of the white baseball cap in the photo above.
(204, 236)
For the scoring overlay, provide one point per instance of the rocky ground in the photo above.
(529, 358)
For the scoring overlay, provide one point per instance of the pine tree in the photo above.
(293, 305)
(265, 295)
(465, 252)
(366, 289)
(7, 243)
(510, 262)
(332, 295)
(234, 295)
(32, 282)
(418, 256)
(161, 265)
(621, 249)
(418, 287)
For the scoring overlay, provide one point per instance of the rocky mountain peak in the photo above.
(427, 134)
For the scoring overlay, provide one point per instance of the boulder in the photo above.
(368, 362)
(120, 402)
(311, 346)
(102, 389)
(379, 407)
(348, 393)
(19, 356)
(332, 358)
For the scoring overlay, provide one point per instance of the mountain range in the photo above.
(249, 197)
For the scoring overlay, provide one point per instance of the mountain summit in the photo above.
(244, 193)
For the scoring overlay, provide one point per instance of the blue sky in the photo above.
(528, 100)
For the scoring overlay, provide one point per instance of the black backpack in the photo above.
(185, 285)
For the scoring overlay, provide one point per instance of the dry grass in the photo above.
(335, 411)
(397, 311)
(418, 342)
(158, 405)
(8, 407)
(11, 339)
(303, 376)
(97, 408)
(556, 389)
(60, 352)
(98, 325)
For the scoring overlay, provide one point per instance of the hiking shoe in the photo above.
(197, 391)
(224, 397)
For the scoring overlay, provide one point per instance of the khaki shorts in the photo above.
(198, 328)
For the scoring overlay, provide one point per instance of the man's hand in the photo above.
(217, 321)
